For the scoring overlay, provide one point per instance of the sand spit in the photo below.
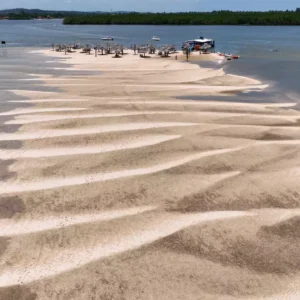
(50, 152)
(20, 120)
(39, 110)
(66, 69)
(150, 87)
(29, 93)
(12, 227)
(141, 194)
(41, 134)
(48, 100)
(200, 103)
(281, 105)
(70, 259)
(50, 79)
(202, 88)
(20, 187)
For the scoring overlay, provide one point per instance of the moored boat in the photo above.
(196, 44)
(156, 38)
(232, 56)
(107, 38)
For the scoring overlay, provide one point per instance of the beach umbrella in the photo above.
(205, 47)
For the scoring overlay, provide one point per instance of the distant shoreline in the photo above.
(187, 25)
(266, 18)
(182, 25)
(189, 18)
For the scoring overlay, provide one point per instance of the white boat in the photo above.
(155, 38)
(197, 43)
(107, 38)
(233, 56)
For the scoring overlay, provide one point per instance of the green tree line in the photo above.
(27, 14)
(191, 18)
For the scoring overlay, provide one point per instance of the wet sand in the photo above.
(124, 189)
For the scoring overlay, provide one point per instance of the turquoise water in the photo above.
(254, 43)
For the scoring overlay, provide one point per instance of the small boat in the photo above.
(107, 38)
(232, 56)
(156, 38)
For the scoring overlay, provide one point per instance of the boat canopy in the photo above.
(196, 44)
(200, 41)
(203, 40)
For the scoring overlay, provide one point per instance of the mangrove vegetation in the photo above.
(190, 18)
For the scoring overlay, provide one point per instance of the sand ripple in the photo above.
(137, 194)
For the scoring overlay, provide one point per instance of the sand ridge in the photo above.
(19, 187)
(10, 228)
(164, 228)
(44, 118)
(48, 152)
(48, 100)
(41, 134)
(36, 110)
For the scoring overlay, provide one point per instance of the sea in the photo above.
(268, 53)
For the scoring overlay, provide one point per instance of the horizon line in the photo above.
(150, 12)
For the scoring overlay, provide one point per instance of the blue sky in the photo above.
(153, 5)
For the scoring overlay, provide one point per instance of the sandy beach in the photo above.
(124, 189)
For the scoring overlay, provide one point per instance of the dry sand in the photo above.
(122, 191)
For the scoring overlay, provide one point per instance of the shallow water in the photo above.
(16, 63)
(254, 43)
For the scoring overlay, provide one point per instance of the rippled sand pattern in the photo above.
(122, 191)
